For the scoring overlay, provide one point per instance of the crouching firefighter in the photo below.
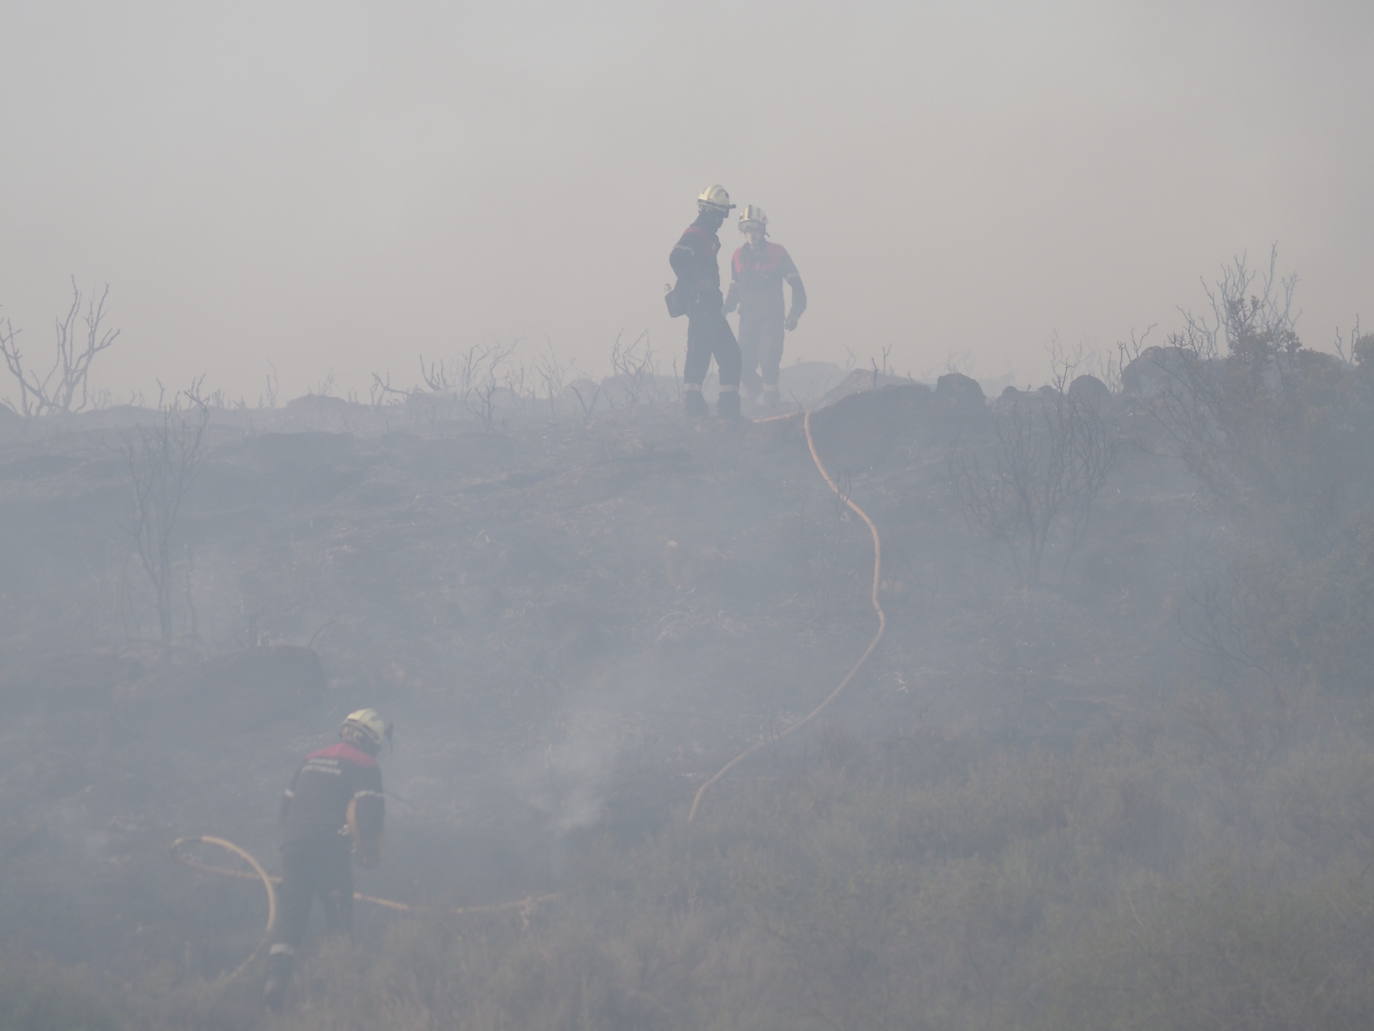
(757, 272)
(331, 816)
(697, 295)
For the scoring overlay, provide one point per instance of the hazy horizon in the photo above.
(327, 188)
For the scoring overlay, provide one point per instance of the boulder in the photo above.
(959, 391)
(1091, 391)
(859, 381)
(1153, 371)
(1010, 400)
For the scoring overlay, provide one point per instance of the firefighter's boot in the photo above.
(693, 403)
(727, 405)
(281, 962)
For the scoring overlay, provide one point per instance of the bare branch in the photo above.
(162, 461)
(1040, 477)
(268, 398)
(64, 388)
(552, 374)
(382, 392)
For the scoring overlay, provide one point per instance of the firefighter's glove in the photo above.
(791, 323)
(730, 305)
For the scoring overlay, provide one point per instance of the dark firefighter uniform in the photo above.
(756, 278)
(694, 261)
(333, 810)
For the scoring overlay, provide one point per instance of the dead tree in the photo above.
(1039, 477)
(553, 376)
(9, 348)
(587, 394)
(64, 387)
(491, 376)
(163, 460)
(474, 379)
(382, 393)
(268, 398)
(1238, 406)
(634, 369)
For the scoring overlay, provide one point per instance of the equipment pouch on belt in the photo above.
(675, 297)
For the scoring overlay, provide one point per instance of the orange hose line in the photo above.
(874, 600)
(259, 874)
(526, 903)
(777, 418)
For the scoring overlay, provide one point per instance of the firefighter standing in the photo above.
(334, 802)
(697, 294)
(757, 272)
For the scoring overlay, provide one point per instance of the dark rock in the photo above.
(1009, 400)
(1091, 391)
(861, 381)
(959, 390)
(1152, 372)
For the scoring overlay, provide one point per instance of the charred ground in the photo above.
(1118, 780)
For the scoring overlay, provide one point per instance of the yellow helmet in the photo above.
(714, 198)
(366, 729)
(752, 217)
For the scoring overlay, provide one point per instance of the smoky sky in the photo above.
(339, 187)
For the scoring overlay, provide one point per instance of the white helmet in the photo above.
(714, 198)
(752, 217)
(366, 729)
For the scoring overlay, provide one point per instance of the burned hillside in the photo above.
(1120, 709)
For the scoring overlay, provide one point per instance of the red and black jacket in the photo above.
(694, 260)
(756, 278)
(336, 792)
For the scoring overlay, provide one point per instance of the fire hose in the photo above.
(526, 905)
(874, 600)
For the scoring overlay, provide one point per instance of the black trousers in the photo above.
(315, 868)
(708, 336)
